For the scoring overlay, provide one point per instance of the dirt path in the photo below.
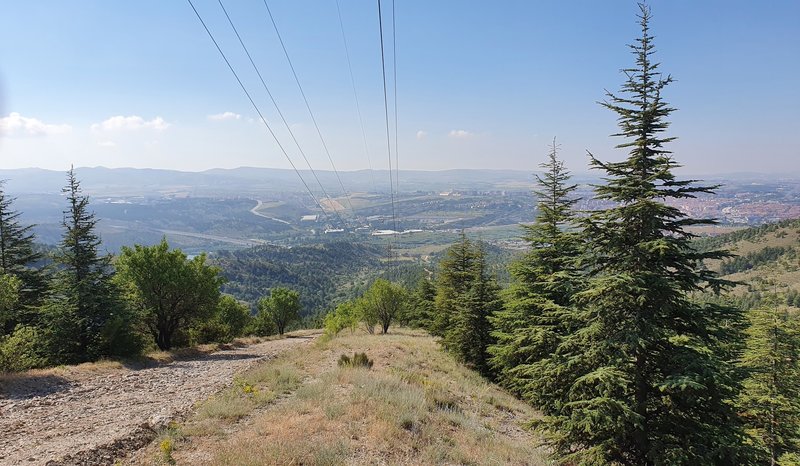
(91, 418)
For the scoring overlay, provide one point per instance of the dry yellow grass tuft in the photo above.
(416, 405)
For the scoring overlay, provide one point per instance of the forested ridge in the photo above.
(323, 273)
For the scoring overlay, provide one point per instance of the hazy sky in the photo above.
(481, 84)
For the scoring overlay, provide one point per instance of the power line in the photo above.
(386, 114)
(253, 103)
(308, 106)
(355, 95)
(280, 113)
(394, 80)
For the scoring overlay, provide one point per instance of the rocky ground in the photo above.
(94, 416)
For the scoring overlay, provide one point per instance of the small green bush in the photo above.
(358, 360)
(22, 350)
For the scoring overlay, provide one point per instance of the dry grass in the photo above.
(785, 272)
(415, 406)
(67, 372)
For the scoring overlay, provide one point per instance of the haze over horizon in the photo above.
(480, 86)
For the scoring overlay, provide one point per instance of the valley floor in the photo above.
(416, 405)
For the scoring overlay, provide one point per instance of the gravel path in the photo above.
(93, 418)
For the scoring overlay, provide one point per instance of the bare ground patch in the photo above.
(96, 413)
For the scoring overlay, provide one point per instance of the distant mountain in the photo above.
(253, 181)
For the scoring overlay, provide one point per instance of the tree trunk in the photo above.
(640, 407)
(164, 339)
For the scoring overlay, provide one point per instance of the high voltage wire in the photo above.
(355, 94)
(285, 123)
(386, 114)
(255, 106)
(394, 80)
(308, 106)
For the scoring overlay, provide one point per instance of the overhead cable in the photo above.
(308, 107)
(280, 113)
(255, 106)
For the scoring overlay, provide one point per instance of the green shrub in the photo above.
(346, 315)
(22, 350)
(210, 331)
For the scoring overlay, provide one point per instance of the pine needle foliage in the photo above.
(456, 273)
(537, 312)
(466, 298)
(17, 259)
(770, 399)
(651, 373)
(84, 309)
(469, 335)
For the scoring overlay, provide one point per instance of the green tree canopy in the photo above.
(84, 313)
(537, 313)
(282, 306)
(383, 302)
(650, 373)
(455, 277)
(17, 258)
(770, 400)
(9, 297)
(171, 290)
(421, 310)
(346, 315)
(468, 336)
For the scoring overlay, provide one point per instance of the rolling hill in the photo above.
(767, 257)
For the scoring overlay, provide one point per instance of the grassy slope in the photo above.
(415, 406)
(784, 271)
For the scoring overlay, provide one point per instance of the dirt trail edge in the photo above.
(94, 418)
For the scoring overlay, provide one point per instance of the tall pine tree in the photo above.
(537, 312)
(770, 400)
(469, 335)
(84, 300)
(651, 372)
(456, 273)
(421, 311)
(17, 258)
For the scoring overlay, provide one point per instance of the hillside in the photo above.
(414, 406)
(328, 273)
(766, 257)
(323, 273)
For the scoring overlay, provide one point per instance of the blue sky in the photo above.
(480, 84)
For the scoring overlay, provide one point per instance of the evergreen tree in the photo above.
(85, 304)
(650, 373)
(17, 256)
(770, 400)
(421, 311)
(469, 334)
(537, 313)
(9, 297)
(456, 273)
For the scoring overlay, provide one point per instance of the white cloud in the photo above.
(107, 144)
(130, 123)
(224, 116)
(459, 134)
(422, 135)
(17, 125)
